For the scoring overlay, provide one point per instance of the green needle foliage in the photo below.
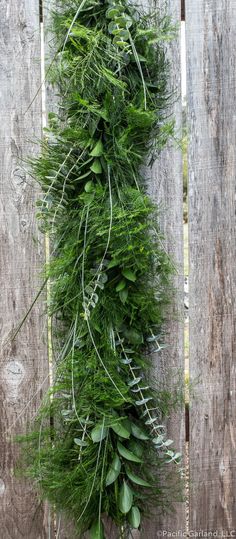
(99, 446)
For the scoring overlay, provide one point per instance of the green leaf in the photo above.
(113, 471)
(143, 401)
(83, 176)
(126, 454)
(87, 198)
(174, 457)
(152, 420)
(112, 26)
(99, 433)
(134, 517)
(96, 167)
(130, 275)
(126, 361)
(138, 433)
(112, 12)
(178, 456)
(121, 285)
(121, 430)
(124, 295)
(98, 150)
(113, 263)
(170, 453)
(137, 480)
(80, 442)
(103, 278)
(121, 34)
(135, 381)
(168, 442)
(124, 21)
(97, 530)
(89, 187)
(136, 448)
(52, 116)
(133, 336)
(120, 43)
(125, 498)
(158, 440)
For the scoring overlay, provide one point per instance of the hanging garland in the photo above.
(99, 446)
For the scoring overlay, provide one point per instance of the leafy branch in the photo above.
(106, 449)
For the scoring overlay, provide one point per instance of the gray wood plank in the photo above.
(23, 365)
(211, 60)
(166, 188)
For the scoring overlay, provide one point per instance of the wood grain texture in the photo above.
(211, 60)
(23, 363)
(166, 188)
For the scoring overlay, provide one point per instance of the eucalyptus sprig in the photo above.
(99, 446)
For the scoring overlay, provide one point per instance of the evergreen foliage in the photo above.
(99, 445)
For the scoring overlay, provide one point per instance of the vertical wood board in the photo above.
(211, 60)
(165, 185)
(23, 363)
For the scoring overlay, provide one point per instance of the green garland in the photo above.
(99, 446)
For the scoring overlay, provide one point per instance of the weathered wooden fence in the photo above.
(211, 61)
(211, 97)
